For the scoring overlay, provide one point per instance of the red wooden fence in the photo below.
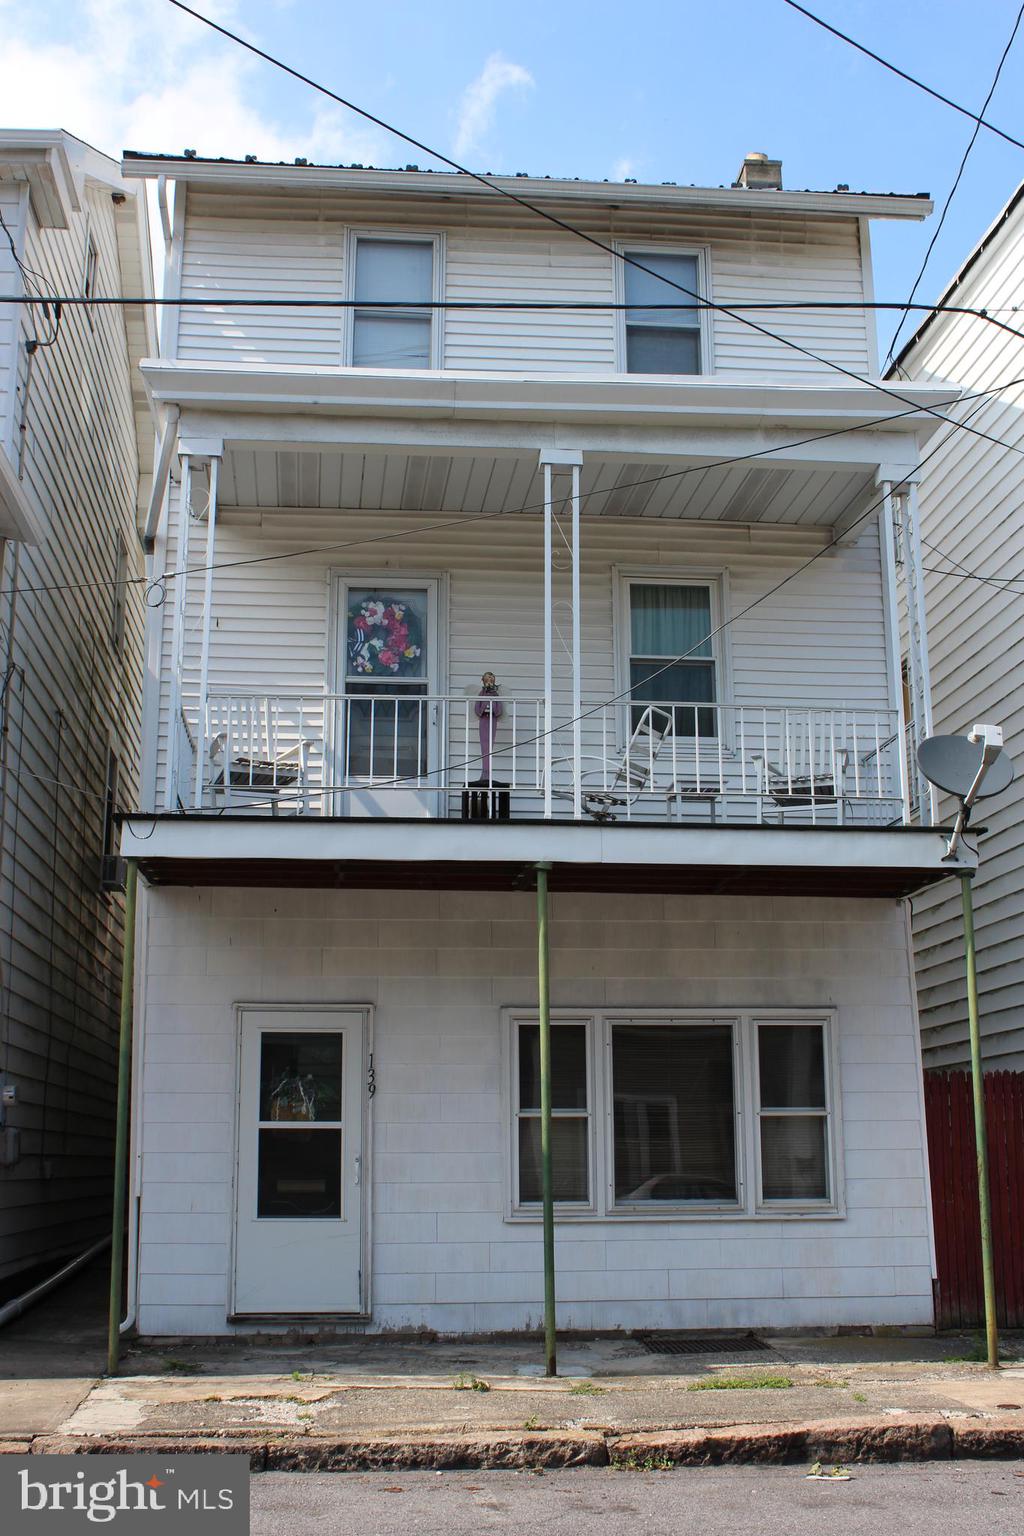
(960, 1300)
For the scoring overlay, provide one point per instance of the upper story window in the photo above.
(664, 340)
(119, 608)
(672, 658)
(393, 278)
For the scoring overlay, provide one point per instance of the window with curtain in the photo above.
(674, 1101)
(570, 1114)
(668, 620)
(397, 273)
(793, 1112)
(663, 340)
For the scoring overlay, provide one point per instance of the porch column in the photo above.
(171, 791)
(917, 630)
(202, 744)
(887, 551)
(553, 460)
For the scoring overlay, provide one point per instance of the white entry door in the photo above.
(390, 715)
(299, 1200)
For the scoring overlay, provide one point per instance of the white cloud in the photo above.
(131, 76)
(480, 98)
(622, 168)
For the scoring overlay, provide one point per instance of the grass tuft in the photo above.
(741, 1384)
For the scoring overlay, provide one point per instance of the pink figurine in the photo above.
(489, 710)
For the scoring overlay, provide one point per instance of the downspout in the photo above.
(547, 1182)
(124, 1057)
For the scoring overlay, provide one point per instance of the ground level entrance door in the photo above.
(299, 1195)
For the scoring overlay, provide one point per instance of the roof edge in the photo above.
(447, 184)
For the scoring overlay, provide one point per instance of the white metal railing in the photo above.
(788, 763)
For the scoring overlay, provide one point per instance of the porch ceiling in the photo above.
(332, 479)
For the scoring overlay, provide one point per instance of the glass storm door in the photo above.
(388, 730)
(298, 1219)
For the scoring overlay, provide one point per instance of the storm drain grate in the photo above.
(702, 1344)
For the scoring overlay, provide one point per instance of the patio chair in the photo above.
(622, 780)
(240, 778)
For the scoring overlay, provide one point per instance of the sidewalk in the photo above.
(365, 1401)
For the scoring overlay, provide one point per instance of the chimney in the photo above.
(758, 173)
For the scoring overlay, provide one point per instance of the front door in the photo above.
(390, 713)
(299, 1196)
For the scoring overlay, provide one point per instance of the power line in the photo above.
(267, 301)
(564, 224)
(537, 506)
(937, 231)
(903, 74)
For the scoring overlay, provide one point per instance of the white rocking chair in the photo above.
(238, 778)
(622, 780)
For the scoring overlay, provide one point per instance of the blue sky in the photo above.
(659, 91)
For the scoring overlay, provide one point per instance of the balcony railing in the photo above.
(442, 755)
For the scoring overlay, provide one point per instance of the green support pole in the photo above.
(547, 1182)
(980, 1131)
(124, 1061)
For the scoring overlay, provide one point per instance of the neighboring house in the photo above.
(76, 441)
(336, 1112)
(972, 521)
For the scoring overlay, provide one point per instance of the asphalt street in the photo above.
(965, 1498)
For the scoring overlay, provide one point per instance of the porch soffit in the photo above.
(466, 484)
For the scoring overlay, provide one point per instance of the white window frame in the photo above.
(748, 1206)
(532, 1210)
(413, 237)
(717, 581)
(704, 328)
(833, 1140)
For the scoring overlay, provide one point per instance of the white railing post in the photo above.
(918, 633)
(577, 655)
(887, 542)
(548, 642)
(178, 633)
(202, 745)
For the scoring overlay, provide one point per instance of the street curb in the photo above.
(829, 1441)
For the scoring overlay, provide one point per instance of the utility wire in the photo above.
(844, 37)
(565, 225)
(482, 517)
(266, 301)
(937, 231)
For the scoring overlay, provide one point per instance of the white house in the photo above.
(76, 448)
(669, 537)
(972, 527)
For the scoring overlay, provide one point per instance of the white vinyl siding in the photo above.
(821, 640)
(438, 967)
(971, 499)
(238, 246)
(10, 320)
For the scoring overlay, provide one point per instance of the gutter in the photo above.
(20, 1304)
(161, 472)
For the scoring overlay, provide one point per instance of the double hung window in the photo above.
(663, 340)
(393, 280)
(672, 652)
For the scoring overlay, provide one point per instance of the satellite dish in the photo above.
(952, 762)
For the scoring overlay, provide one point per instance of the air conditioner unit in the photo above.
(113, 872)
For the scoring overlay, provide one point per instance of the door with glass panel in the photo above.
(299, 1196)
(389, 717)
(672, 658)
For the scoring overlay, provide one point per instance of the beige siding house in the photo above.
(76, 440)
(972, 526)
(668, 537)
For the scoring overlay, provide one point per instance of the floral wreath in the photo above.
(384, 638)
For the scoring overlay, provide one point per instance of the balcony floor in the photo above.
(329, 852)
